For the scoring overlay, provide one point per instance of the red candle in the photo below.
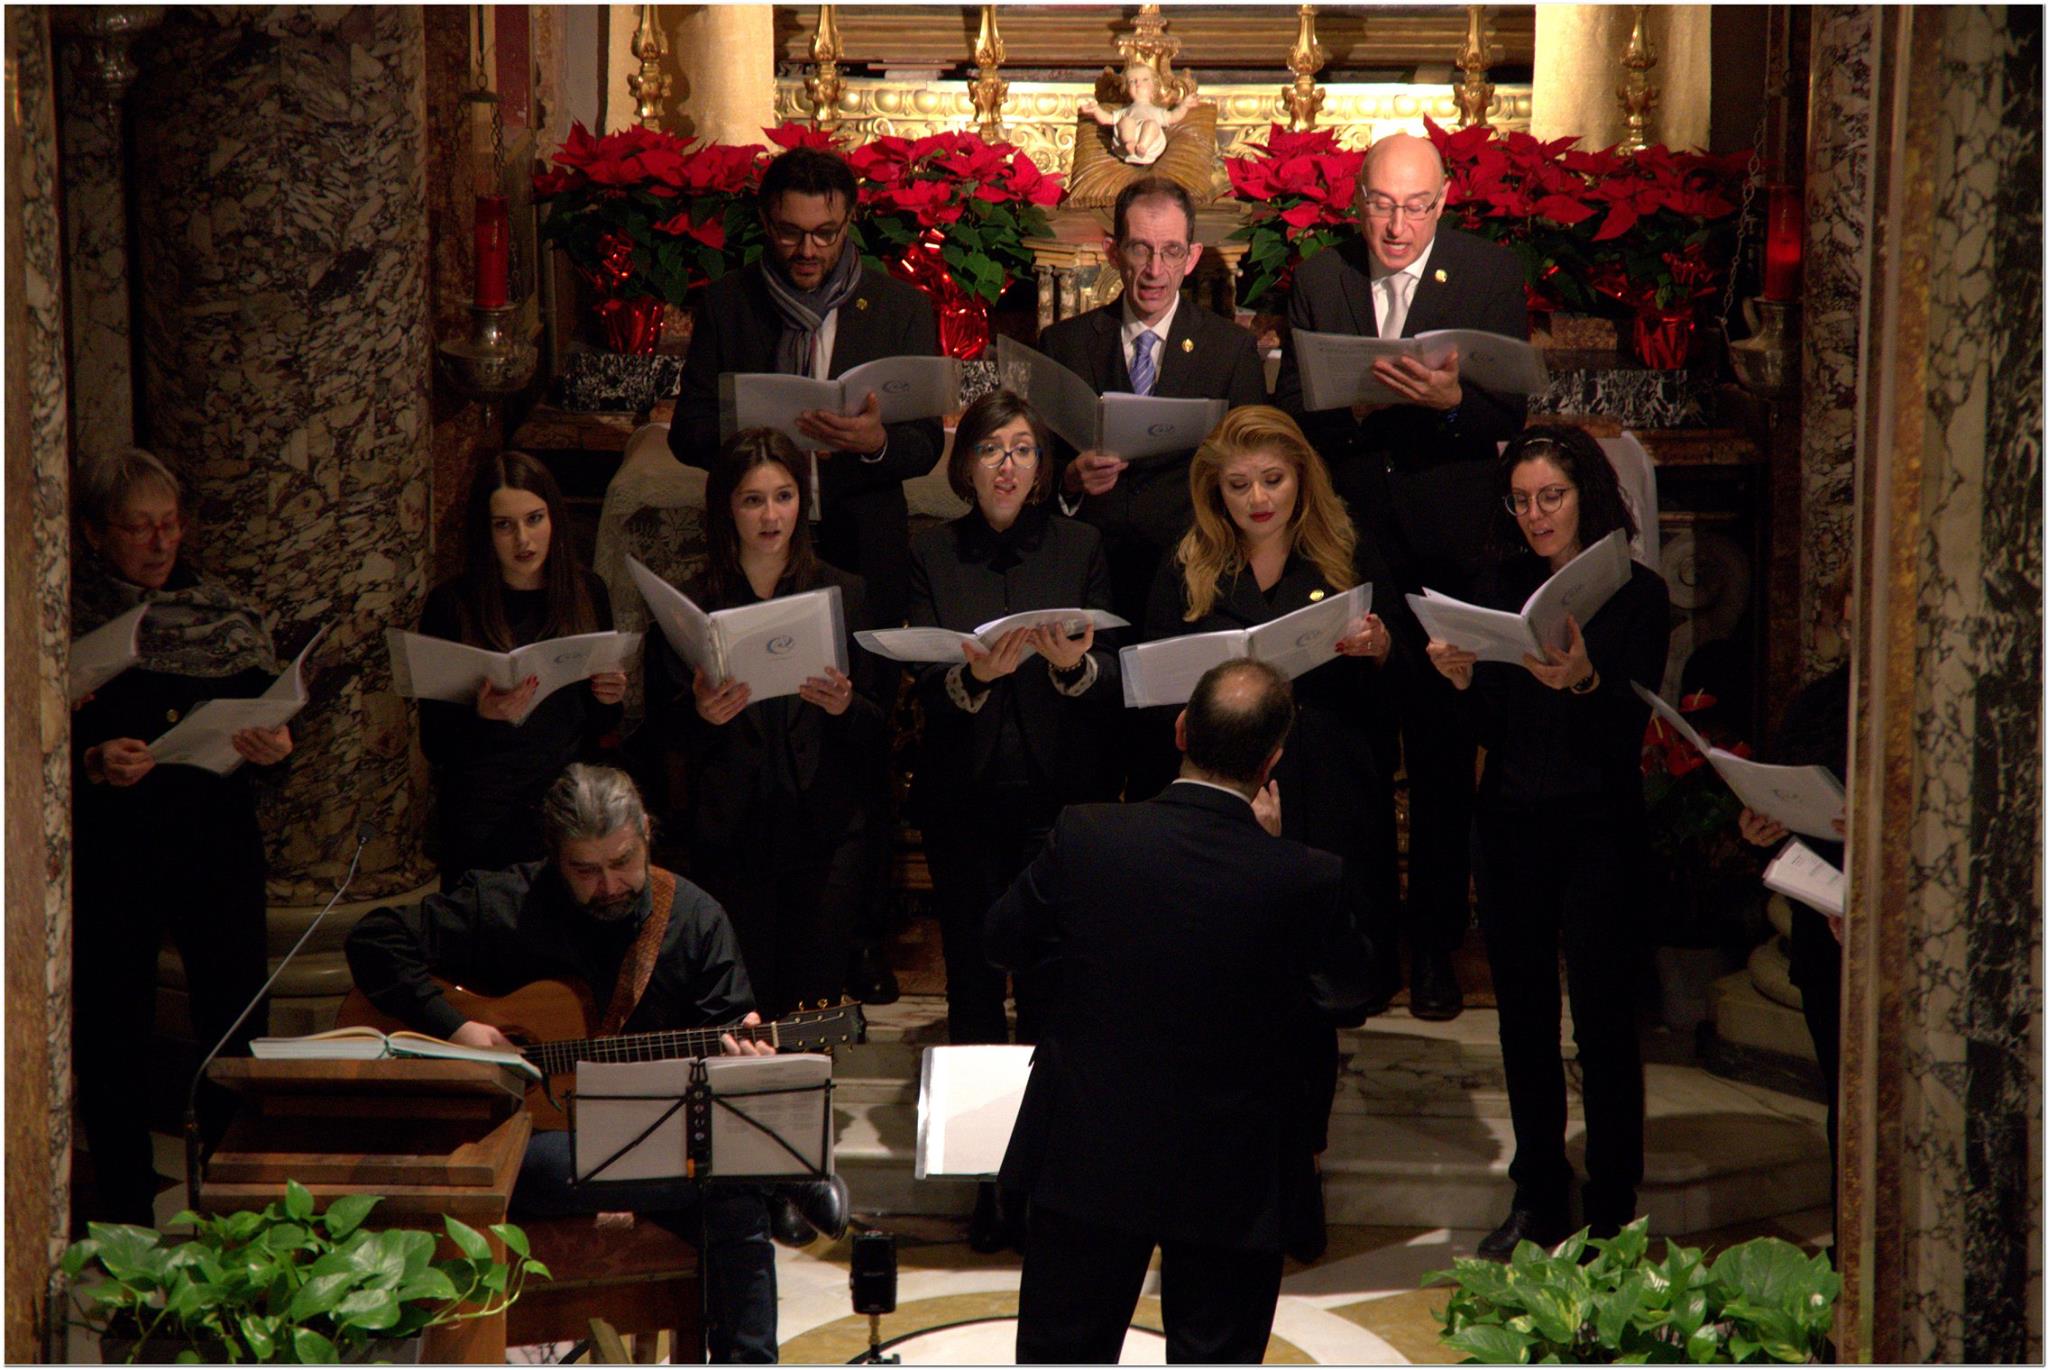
(493, 251)
(1784, 243)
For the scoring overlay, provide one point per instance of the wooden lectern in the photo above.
(432, 1137)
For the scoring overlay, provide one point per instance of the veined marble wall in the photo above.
(1837, 218)
(1942, 1125)
(96, 256)
(38, 735)
(282, 248)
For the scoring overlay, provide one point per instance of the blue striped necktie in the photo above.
(1143, 370)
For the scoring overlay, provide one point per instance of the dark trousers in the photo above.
(211, 901)
(976, 848)
(1817, 971)
(739, 1261)
(792, 895)
(1081, 1284)
(1439, 757)
(1550, 877)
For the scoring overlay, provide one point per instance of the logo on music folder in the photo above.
(1308, 638)
(1159, 430)
(896, 387)
(781, 646)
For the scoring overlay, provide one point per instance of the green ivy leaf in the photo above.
(467, 1239)
(1703, 1344)
(1491, 1345)
(312, 1348)
(346, 1213)
(298, 1200)
(318, 1295)
(513, 1237)
(428, 1284)
(370, 1309)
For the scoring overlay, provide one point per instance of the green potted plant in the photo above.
(287, 1285)
(1759, 1301)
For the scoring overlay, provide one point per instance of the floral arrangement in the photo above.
(1300, 193)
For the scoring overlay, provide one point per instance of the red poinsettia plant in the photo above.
(1645, 230)
(1705, 874)
(1300, 192)
(974, 201)
(642, 212)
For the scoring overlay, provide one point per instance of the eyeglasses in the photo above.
(1024, 455)
(789, 235)
(141, 529)
(1141, 255)
(1549, 499)
(1385, 206)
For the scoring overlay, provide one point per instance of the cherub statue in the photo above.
(1140, 127)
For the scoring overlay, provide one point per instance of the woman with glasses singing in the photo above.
(1560, 830)
(158, 847)
(1012, 733)
(777, 791)
(1269, 537)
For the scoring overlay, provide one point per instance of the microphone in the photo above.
(364, 832)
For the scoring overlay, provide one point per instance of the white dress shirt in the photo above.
(1133, 326)
(1383, 297)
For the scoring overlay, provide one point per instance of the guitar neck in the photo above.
(559, 1058)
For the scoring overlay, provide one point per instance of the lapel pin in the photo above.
(1443, 277)
(1314, 596)
(862, 302)
(1187, 344)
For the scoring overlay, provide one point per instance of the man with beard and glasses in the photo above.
(807, 307)
(597, 911)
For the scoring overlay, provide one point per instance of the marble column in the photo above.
(1941, 1126)
(282, 256)
(38, 741)
(1837, 233)
(1577, 69)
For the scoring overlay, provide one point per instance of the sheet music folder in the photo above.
(721, 1117)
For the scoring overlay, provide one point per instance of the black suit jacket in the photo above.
(1181, 932)
(1421, 483)
(866, 526)
(963, 575)
(1204, 357)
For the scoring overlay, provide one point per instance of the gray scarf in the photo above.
(194, 627)
(803, 311)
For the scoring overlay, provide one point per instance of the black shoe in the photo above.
(1433, 993)
(1522, 1225)
(987, 1232)
(870, 980)
(1382, 983)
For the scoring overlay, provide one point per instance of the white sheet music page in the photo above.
(967, 1102)
(1797, 872)
(100, 655)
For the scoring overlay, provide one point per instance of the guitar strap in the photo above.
(638, 966)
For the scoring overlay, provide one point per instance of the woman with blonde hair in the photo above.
(1269, 537)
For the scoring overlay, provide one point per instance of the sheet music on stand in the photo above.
(719, 1117)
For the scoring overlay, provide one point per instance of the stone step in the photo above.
(1419, 1136)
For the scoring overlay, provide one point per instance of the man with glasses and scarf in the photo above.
(808, 308)
(1418, 476)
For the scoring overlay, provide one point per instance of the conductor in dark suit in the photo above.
(808, 308)
(1418, 476)
(1155, 1115)
(1149, 342)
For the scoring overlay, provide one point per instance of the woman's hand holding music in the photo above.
(992, 664)
(735, 1046)
(608, 687)
(719, 703)
(119, 761)
(1453, 663)
(1061, 652)
(506, 706)
(832, 691)
(264, 746)
(1368, 637)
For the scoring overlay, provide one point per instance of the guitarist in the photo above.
(653, 948)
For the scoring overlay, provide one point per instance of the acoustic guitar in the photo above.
(552, 1022)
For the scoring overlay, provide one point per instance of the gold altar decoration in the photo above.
(649, 84)
(988, 88)
(825, 89)
(1474, 94)
(1636, 95)
(1304, 59)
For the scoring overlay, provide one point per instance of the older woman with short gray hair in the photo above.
(157, 848)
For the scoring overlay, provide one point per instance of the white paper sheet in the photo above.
(1134, 427)
(921, 645)
(967, 1102)
(1798, 873)
(100, 655)
(1806, 799)
(1580, 590)
(798, 1111)
(205, 736)
(1167, 671)
(904, 388)
(425, 667)
(1336, 368)
(773, 646)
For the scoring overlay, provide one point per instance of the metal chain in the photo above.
(1753, 176)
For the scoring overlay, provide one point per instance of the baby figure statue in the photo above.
(1140, 127)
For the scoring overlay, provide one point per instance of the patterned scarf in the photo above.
(803, 311)
(194, 627)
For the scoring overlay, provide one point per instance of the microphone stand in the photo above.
(364, 832)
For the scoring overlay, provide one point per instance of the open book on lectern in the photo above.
(1806, 799)
(772, 647)
(206, 737)
(1134, 427)
(904, 388)
(1578, 591)
(1166, 671)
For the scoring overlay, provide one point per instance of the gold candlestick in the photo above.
(825, 88)
(989, 89)
(649, 84)
(1474, 96)
(1304, 98)
(1638, 98)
